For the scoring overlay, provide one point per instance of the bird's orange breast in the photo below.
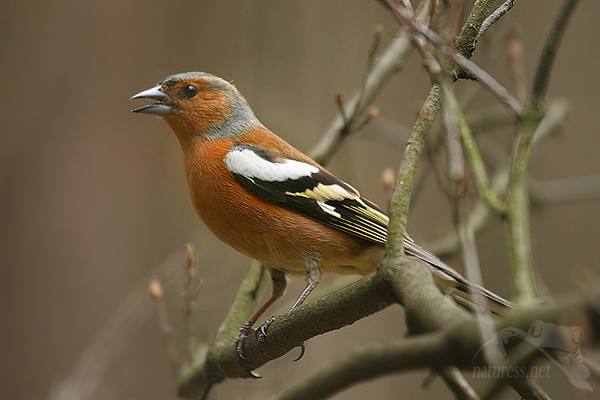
(279, 238)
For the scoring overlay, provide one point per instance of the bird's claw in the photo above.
(261, 335)
(239, 348)
(302, 351)
(261, 332)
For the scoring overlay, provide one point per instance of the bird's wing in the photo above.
(314, 192)
(307, 189)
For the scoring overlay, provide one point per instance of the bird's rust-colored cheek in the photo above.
(192, 117)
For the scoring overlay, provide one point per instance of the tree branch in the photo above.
(488, 82)
(322, 315)
(196, 378)
(495, 16)
(481, 213)
(565, 189)
(482, 181)
(420, 29)
(518, 213)
(466, 41)
(389, 63)
(400, 202)
(458, 384)
(454, 342)
(542, 75)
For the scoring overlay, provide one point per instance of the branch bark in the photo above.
(453, 340)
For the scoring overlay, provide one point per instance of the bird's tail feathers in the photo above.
(447, 277)
(469, 291)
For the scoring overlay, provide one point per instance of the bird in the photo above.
(273, 203)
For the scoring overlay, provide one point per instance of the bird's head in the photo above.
(199, 105)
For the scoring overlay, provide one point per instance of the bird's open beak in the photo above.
(162, 107)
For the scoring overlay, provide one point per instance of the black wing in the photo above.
(308, 190)
(316, 193)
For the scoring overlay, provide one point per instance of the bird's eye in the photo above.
(190, 91)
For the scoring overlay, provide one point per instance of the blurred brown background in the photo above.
(93, 198)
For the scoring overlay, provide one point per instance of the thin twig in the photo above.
(518, 213)
(121, 329)
(455, 160)
(488, 82)
(389, 63)
(476, 163)
(404, 182)
(374, 50)
(157, 295)
(542, 76)
(455, 380)
(481, 213)
(454, 122)
(495, 16)
(193, 283)
(481, 75)
(560, 190)
(457, 190)
(516, 68)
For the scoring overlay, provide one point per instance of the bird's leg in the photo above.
(313, 277)
(279, 284)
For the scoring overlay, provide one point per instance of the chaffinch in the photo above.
(271, 202)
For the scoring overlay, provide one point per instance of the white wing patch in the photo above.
(247, 163)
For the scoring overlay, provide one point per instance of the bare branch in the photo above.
(454, 342)
(191, 289)
(495, 16)
(157, 294)
(542, 76)
(457, 131)
(110, 341)
(516, 68)
(408, 166)
(482, 180)
(458, 384)
(518, 215)
(322, 315)
(553, 191)
(389, 63)
(488, 82)
(482, 76)
(481, 213)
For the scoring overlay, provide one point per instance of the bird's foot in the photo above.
(261, 331)
(261, 335)
(239, 348)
